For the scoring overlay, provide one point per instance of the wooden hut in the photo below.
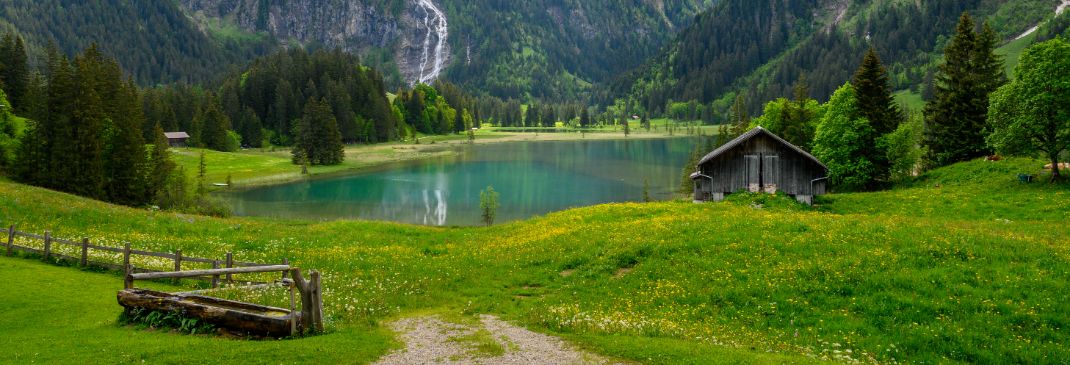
(759, 161)
(176, 139)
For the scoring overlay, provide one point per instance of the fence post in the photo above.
(285, 261)
(10, 239)
(215, 278)
(178, 263)
(48, 245)
(230, 264)
(317, 301)
(126, 258)
(128, 280)
(85, 251)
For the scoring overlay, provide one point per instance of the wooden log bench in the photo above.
(241, 317)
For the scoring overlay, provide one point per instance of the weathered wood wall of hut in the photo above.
(794, 172)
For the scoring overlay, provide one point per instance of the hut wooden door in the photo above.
(770, 173)
(753, 175)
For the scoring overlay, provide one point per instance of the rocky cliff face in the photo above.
(353, 25)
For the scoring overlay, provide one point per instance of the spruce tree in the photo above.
(216, 125)
(58, 130)
(252, 129)
(15, 72)
(956, 119)
(874, 94)
(318, 140)
(876, 104)
(85, 174)
(161, 166)
(126, 158)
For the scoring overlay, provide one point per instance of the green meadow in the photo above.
(962, 265)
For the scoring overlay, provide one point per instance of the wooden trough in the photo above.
(241, 317)
(244, 318)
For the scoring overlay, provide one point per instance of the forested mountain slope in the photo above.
(552, 49)
(153, 40)
(764, 47)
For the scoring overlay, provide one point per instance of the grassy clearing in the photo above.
(63, 315)
(870, 277)
(910, 100)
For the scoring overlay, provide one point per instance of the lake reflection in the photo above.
(532, 179)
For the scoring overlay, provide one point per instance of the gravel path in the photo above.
(430, 340)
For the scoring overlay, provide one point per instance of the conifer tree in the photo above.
(252, 129)
(956, 119)
(216, 125)
(161, 166)
(874, 94)
(85, 174)
(585, 118)
(15, 72)
(458, 121)
(59, 132)
(126, 158)
(318, 140)
(876, 104)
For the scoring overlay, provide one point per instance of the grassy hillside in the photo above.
(906, 275)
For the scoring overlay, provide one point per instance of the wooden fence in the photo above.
(85, 246)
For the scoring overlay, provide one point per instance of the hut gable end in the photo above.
(759, 161)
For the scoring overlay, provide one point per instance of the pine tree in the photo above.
(458, 121)
(252, 130)
(60, 131)
(216, 125)
(161, 167)
(85, 174)
(585, 118)
(126, 157)
(873, 90)
(15, 72)
(877, 105)
(202, 176)
(956, 119)
(318, 141)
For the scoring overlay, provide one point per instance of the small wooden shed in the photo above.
(759, 161)
(176, 139)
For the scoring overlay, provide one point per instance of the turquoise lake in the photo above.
(532, 178)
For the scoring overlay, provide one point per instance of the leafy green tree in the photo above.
(1032, 114)
(488, 204)
(903, 148)
(8, 134)
(842, 140)
(956, 120)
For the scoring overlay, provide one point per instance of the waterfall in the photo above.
(433, 59)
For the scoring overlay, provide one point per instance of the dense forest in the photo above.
(154, 41)
(771, 50)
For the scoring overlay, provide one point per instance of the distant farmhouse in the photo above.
(176, 139)
(759, 161)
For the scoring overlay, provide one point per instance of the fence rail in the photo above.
(85, 260)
